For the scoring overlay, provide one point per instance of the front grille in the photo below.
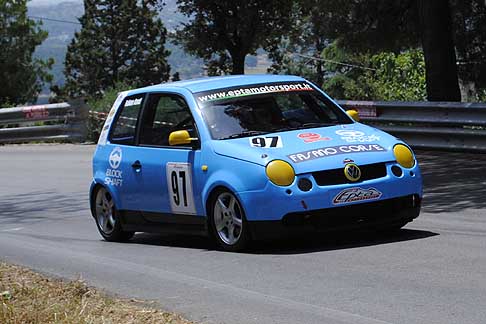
(359, 214)
(336, 176)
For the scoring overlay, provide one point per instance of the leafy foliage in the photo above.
(22, 75)
(224, 32)
(385, 76)
(120, 41)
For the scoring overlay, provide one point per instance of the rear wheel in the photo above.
(107, 219)
(228, 221)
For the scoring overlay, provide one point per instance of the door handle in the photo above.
(137, 166)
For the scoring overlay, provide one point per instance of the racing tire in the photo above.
(107, 217)
(227, 222)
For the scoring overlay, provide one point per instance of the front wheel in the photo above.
(228, 222)
(107, 219)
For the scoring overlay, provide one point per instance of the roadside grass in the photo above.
(28, 297)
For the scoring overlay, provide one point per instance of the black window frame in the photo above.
(118, 114)
(196, 145)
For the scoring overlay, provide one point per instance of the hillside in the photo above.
(61, 33)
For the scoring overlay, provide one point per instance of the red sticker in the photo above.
(312, 137)
(35, 112)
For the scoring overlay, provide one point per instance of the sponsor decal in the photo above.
(115, 157)
(113, 176)
(352, 172)
(354, 136)
(334, 150)
(231, 93)
(266, 141)
(133, 102)
(312, 137)
(356, 194)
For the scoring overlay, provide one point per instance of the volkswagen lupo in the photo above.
(245, 157)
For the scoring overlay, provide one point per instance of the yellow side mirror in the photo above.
(353, 114)
(180, 137)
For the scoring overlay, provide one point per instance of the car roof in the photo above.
(212, 83)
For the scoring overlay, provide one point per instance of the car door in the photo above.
(168, 173)
(120, 151)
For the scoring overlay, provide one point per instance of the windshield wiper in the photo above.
(304, 126)
(312, 125)
(244, 134)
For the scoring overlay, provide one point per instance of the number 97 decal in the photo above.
(179, 184)
(266, 141)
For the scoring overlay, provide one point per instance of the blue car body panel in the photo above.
(239, 167)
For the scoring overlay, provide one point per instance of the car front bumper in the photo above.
(276, 203)
(367, 216)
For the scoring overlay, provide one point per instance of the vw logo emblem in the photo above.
(115, 157)
(352, 172)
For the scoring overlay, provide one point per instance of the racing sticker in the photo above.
(312, 137)
(266, 141)
(179, 183)
(334, 150)
(356, 194)
(113, 176)
(354, 136)
(243, 91)
(106, 127)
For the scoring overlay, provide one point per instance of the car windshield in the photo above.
(262, 109)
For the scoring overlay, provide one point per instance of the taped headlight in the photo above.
(280, 173)
(404, 156)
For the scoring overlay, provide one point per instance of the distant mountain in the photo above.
(61, 32)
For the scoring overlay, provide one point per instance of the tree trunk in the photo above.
(439, 52)
(238, 63)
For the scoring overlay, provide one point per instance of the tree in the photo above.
(119, 41)
(439, 51)
(381, 25)
(21, 75)
(224, 32)
(306, 40)
(469, 20)
(357, 26)
(385, 76)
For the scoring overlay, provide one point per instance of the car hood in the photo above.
(309, 150)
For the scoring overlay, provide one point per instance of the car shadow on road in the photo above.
(294, 245)
(338, 241)
(452, 181)
(173, 240)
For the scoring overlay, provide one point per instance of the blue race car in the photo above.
(246, 157)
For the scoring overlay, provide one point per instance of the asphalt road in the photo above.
(433, 271)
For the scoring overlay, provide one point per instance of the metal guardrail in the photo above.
(62, 121)
(429, 125)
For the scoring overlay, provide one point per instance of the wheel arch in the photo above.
(95, 185)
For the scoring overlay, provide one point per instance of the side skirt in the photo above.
(135, 221)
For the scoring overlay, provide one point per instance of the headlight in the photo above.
(280, 172)
(404, 156)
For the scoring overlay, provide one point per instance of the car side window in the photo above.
(124, 128)
(163, 114)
